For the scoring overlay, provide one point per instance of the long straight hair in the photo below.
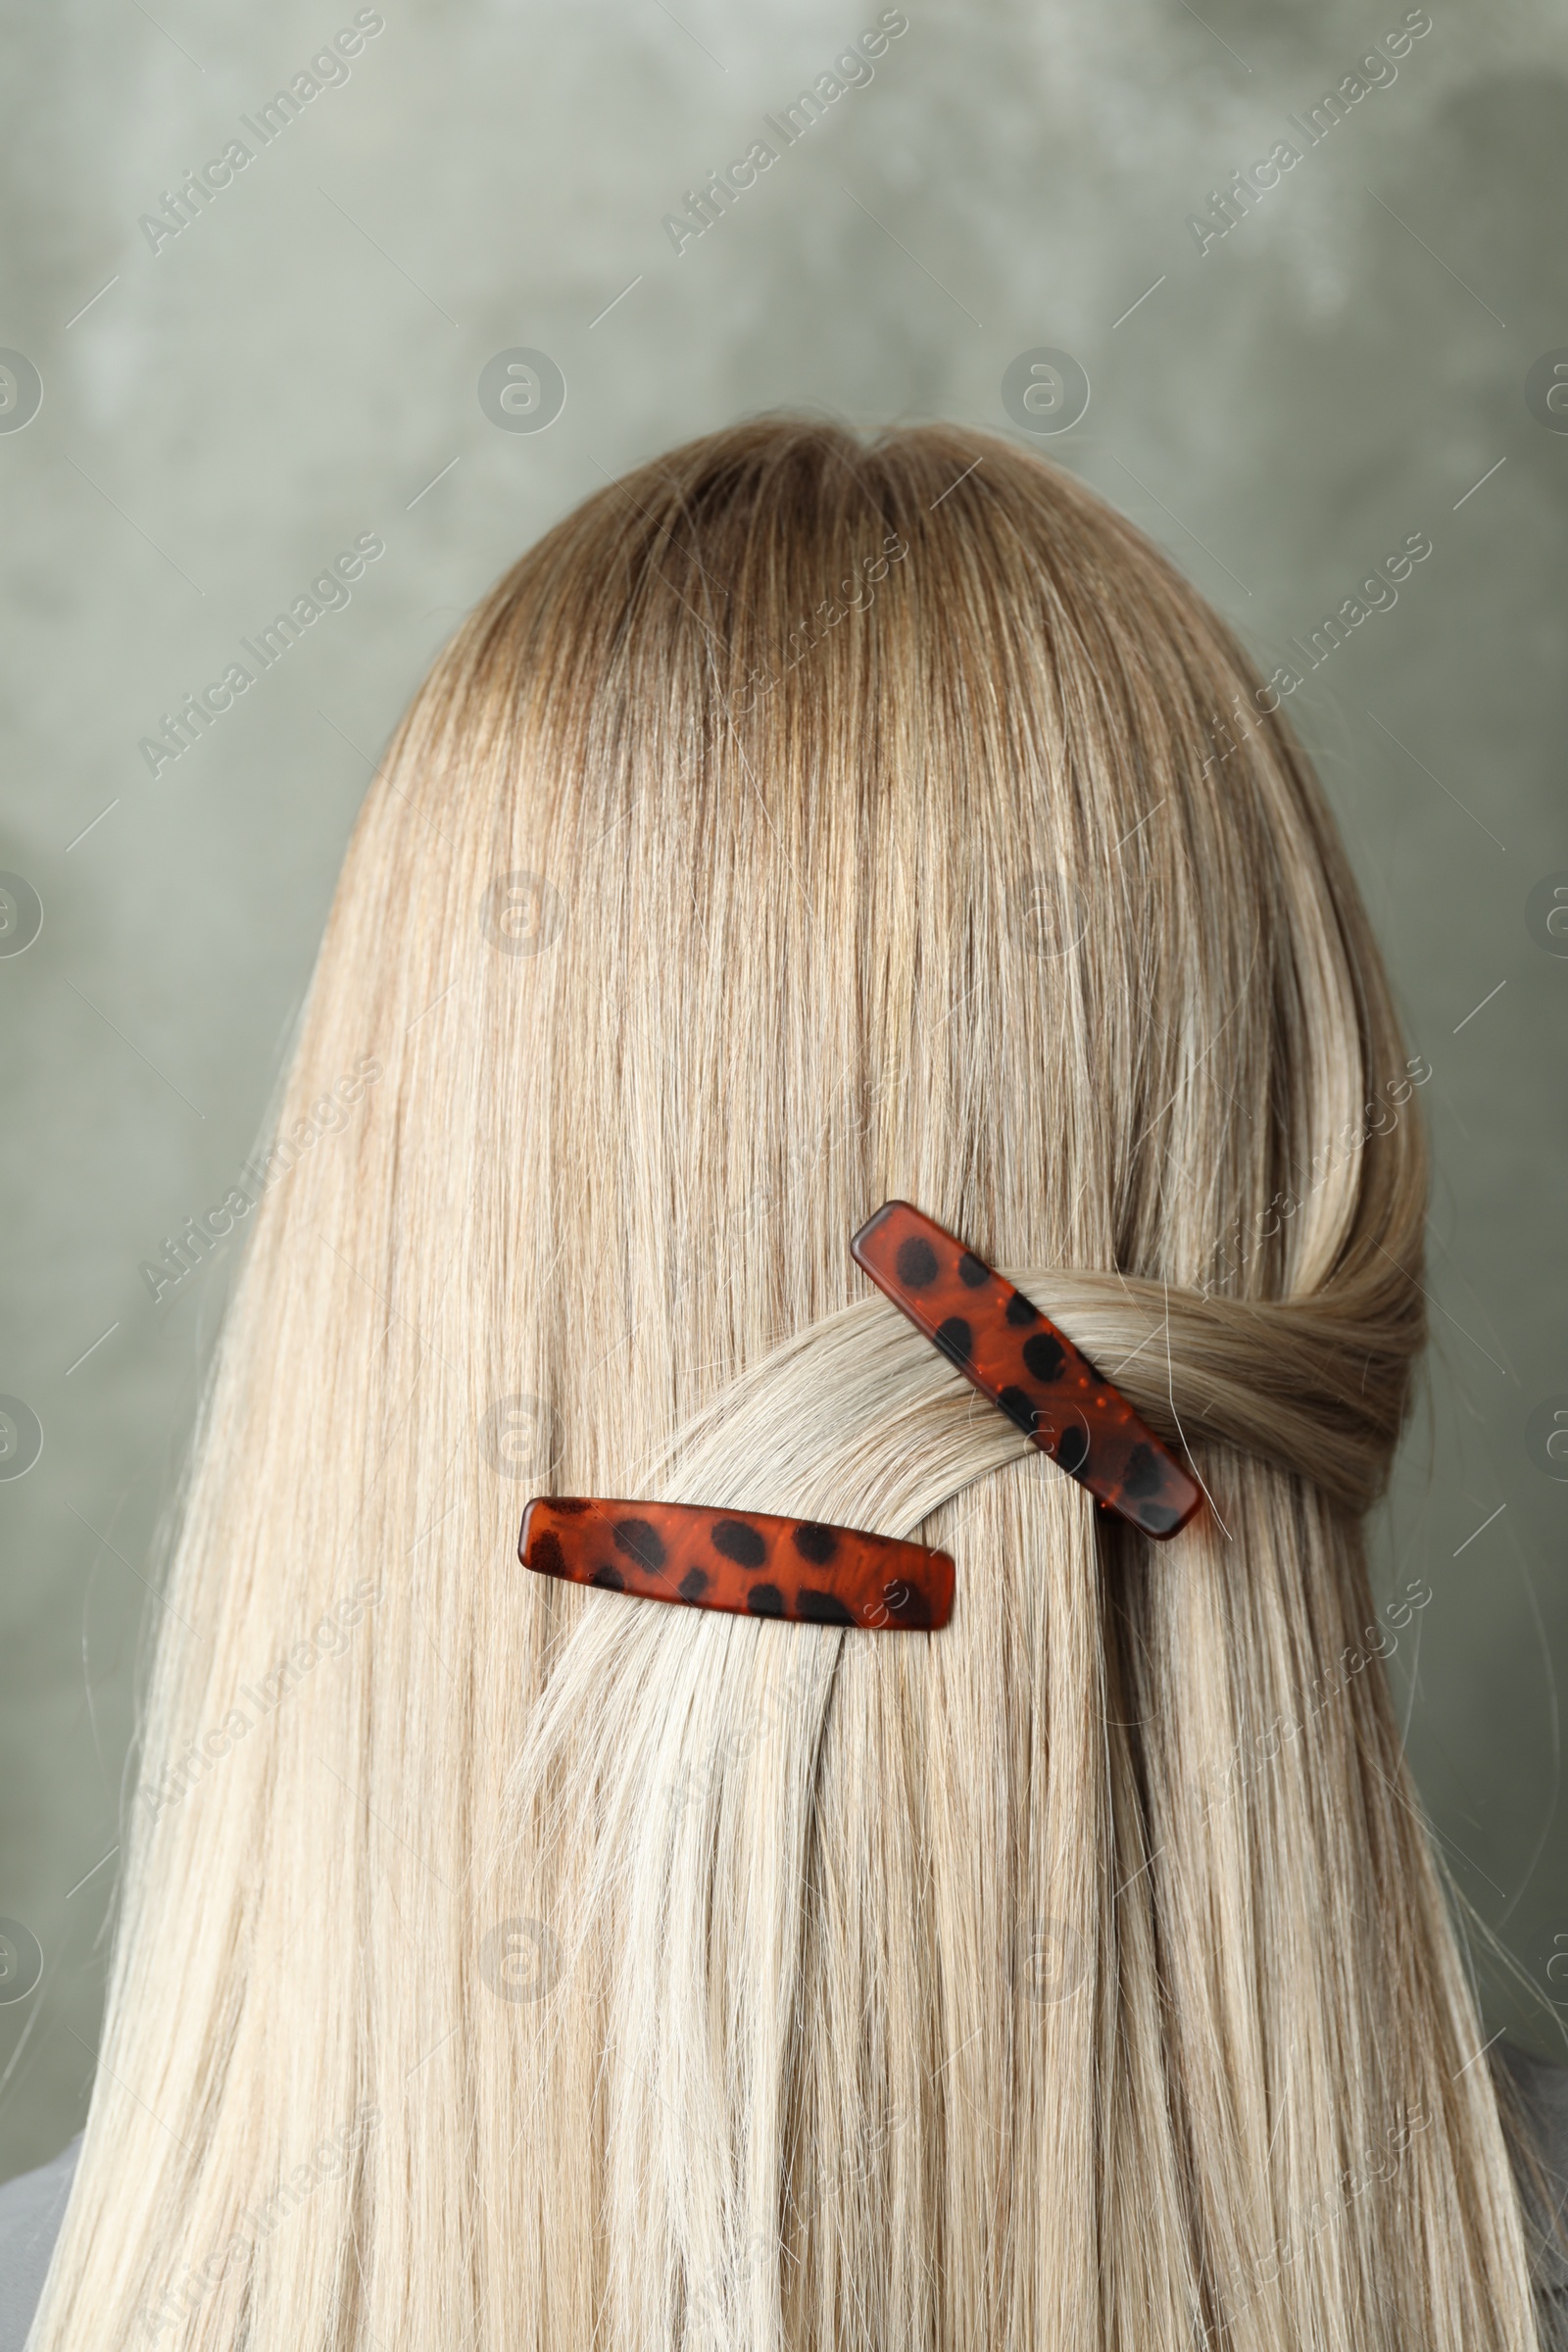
(799, 824)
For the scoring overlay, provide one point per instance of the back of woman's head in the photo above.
(800, 824)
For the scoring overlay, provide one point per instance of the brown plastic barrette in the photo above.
(1015, 1356)
(747, 1563)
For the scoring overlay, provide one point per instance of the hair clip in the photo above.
(1017, 1357)
(747, 1562)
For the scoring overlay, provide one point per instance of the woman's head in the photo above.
(803, 823)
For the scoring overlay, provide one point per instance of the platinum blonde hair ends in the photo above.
(800, 824)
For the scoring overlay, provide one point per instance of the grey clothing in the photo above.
(1543, 2090)
(31, 2209)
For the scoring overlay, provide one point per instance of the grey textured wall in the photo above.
(228, 403)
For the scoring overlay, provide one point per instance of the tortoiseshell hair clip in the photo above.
(753, 1564)
(747, 1563)
(1017, 1357)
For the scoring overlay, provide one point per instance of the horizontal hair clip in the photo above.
(1017, 1357)
(747, 1563)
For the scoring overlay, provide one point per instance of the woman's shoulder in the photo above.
(1540, 2104)
(32, 2208)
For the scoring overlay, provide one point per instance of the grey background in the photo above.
(300, 364)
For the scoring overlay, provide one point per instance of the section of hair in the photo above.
(804, 824)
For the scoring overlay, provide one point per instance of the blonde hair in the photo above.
(803, 824)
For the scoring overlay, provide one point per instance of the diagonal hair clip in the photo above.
(747, 1563)
(1015, 1356)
